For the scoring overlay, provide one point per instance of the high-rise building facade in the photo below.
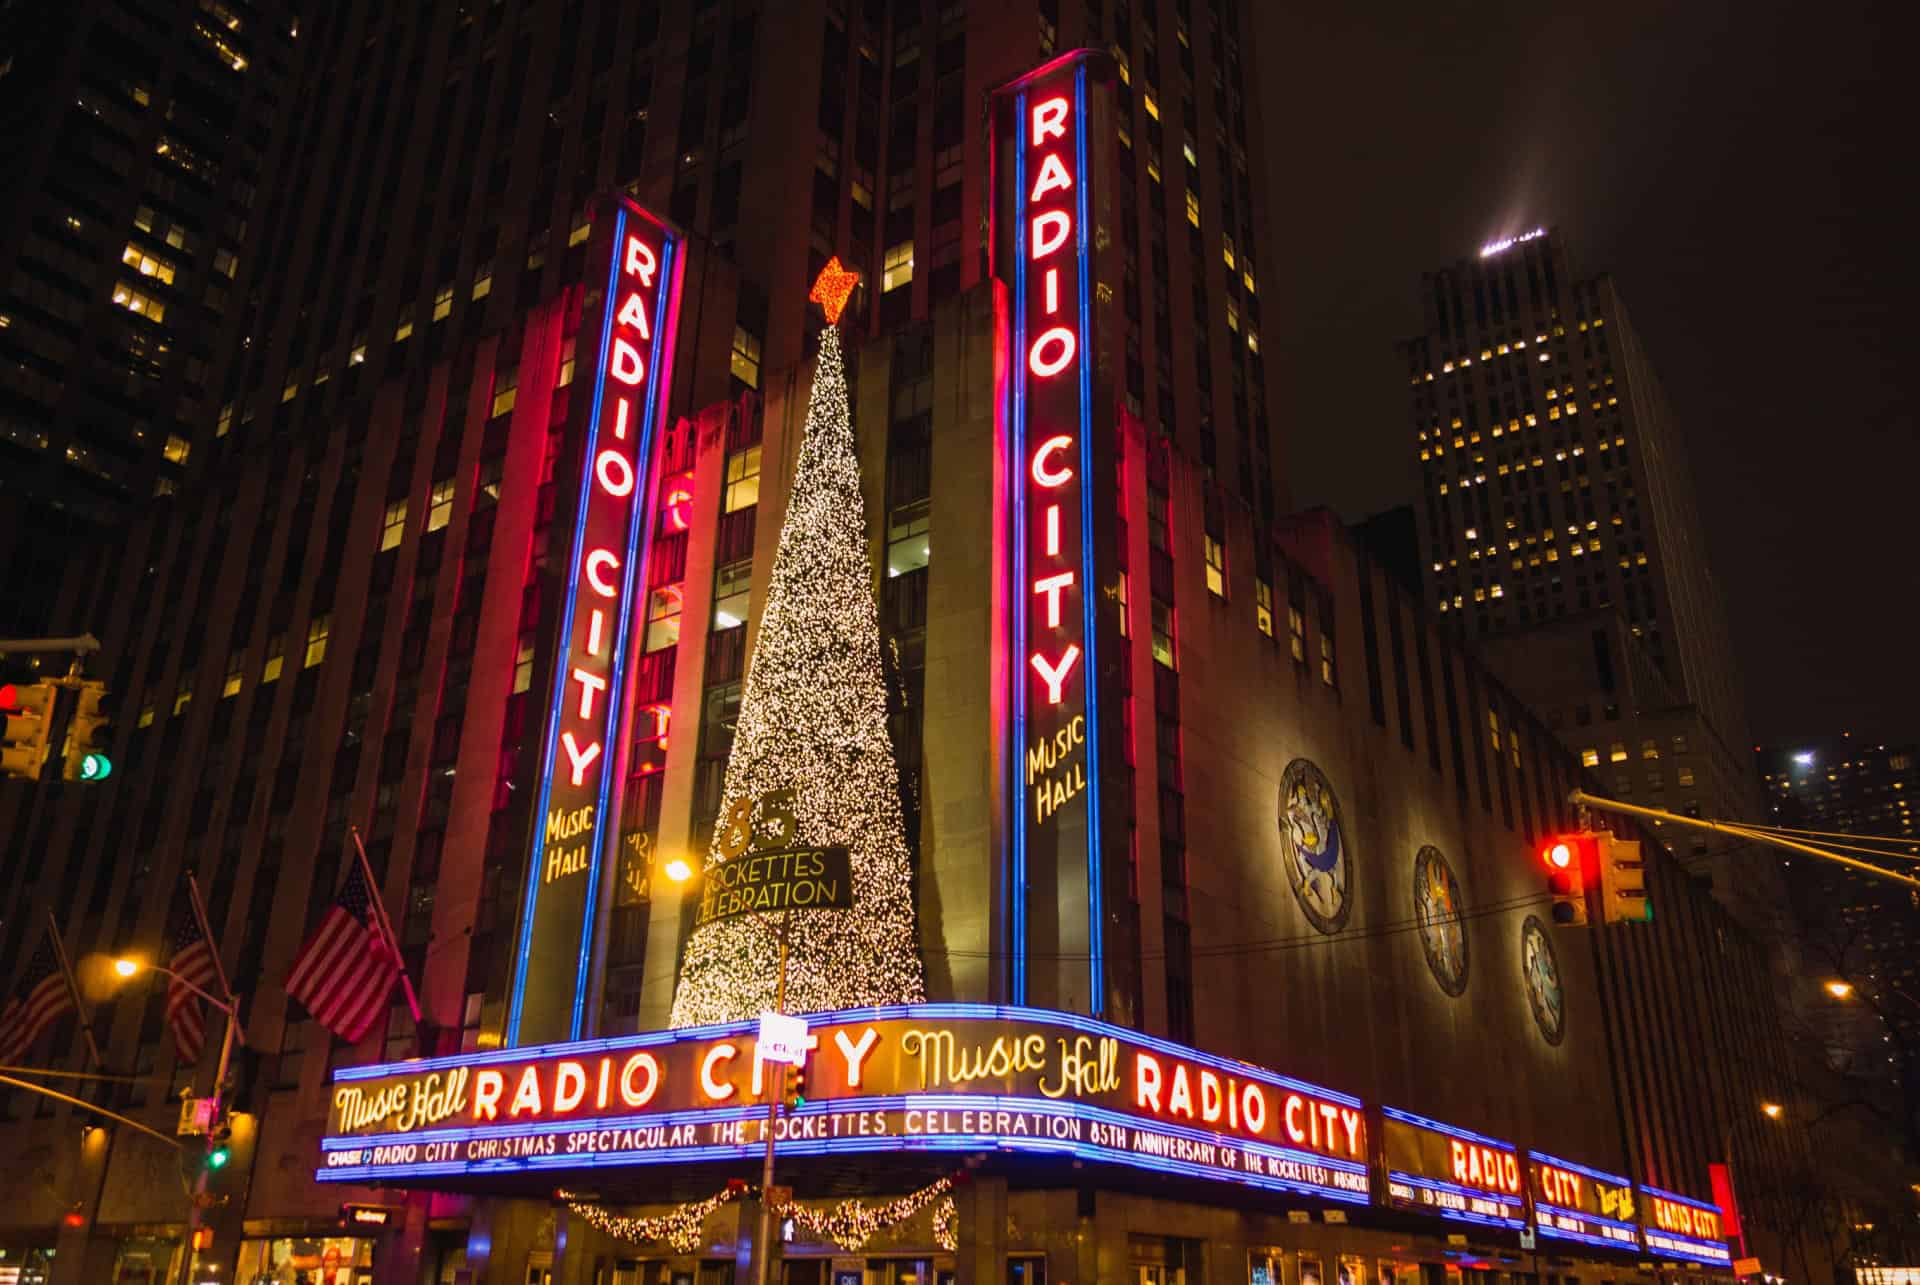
(1190, 789)
(1558, 521)
(138, 138)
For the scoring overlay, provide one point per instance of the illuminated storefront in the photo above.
(306, 1260)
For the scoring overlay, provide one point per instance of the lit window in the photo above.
(146, 265)
(1193, 207)
(1263, 606)
(1297, 632)
(404, 327)
(1165, 650)
(506, 380)
(146, 716)
(1493, 728)
(224, 424)
(1589, 757)
(1326, 658)
(567, 349)
(581, 231)
(290, 391)
(746, 356)
(1192, 160)
(1684, 775)
(182, 694)
(1216, 556)
(394, 526)
(1226, 250)
(897, 269)
(276, 653)
(523, 664)
(225, 263)
(317, 630)
(1649, 749)
(140, 305)
(357, 355)
(1123, 598)
(1617, 753)
(440, 505)
(663, 618)
(483, 281)
(909, 546)
(443, 303)
(176, 450)
(231, 687)
(743, 480)
(1233, 316)
(732, 585)
(1253, 340)
(1153, 107)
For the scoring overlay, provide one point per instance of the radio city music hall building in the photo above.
(1237, 963)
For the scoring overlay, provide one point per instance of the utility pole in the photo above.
(773, 1116)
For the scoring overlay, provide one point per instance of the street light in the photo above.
(679, 870)
(1839, 989)
(126, 967)
(1772, 1110)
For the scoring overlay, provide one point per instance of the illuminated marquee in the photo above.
(1057, 430)
(956, 1077)
(1573, 1202)
(584, 747)
(1440, 1169)
(1678, 1226)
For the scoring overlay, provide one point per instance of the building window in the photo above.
(1297, 632)
(1590, 757)
(1680, 743)
(746, 356)
(506, 381)
(394, 527)
(663, 617)
(1123, 597)
(897, 270)
(443, 303)
(483, 282)
(140, 305)
(732, 590)
(1216, 555)
(566, 363)
(182, 694)
(523, 665)
(176, 450)
(1326, 656)
(743, 480)
(440, 505)
(403, 329)
(1263, 606)
(1683, 775)
(276, 655)
(1650, 749)
(1165, 645)
(317, 630)
(231, 687)
(1617, 753)
(909, 544)
(147, 265)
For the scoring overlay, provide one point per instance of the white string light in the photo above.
(813, 719)
(849, 1224)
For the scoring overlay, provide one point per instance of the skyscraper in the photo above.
(1557, 521)
(137, 141)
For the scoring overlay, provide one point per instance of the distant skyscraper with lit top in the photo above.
(1557, 523)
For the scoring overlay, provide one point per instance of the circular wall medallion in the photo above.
(1542, 974)
(1436, 907)
(1314, 846)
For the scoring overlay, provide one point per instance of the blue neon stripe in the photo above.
(1451, 1130)
(891, 1012)
(1546, 1229)
(1455, 1189)
(1599, 1174)
(1017, 476)
(1097, 989)
(517, 1002)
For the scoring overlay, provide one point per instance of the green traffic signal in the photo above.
(95, 767)
(218, 1157)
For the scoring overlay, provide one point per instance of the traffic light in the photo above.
(85, 759)
(1567, 858)
(1623, 882)
(793, 1093)
(202, 1239)
(26, 724)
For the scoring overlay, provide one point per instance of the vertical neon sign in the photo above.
(584, 747)
(1057, 426)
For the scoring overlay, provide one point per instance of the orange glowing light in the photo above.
(832, 288)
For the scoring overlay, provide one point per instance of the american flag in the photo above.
(189, 959)
(40, 1000)
(346, 969)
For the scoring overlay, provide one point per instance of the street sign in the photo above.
(197, 1115)
(768, 882)
(1526, 1238)
(783, 1039)
(367, 1215)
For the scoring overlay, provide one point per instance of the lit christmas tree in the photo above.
(813, 720)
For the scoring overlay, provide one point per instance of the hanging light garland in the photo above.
(849, 1224)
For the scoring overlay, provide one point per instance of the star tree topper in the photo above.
(832, 288)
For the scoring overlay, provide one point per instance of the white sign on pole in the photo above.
(784, 1039)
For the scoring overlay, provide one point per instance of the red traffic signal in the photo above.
(1568, 858)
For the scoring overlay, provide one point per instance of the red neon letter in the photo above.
(579, 758)
(589, 684)
(1052, 280)
(626, 364)
(1350, 1121)
(527, 1097)
(1459, 1161)
(640, 260)
(1050, 231)
(639, 1062)
(620, 408)
(855, 1052)
(1050, 477)
(1051, 587)
(487, 1088)
(1146, 1081)
(718, 1090)
(569, 1086)
(1053, 175)
(596, 623)
(614, 472)
(1053, 530)
(1053, 675)
(1180, 1098)
(634, 313)
(1209, 1096)
(597, 559)
(1294, 1104)
(1061, 340)
(1253, 1108)
(1049, 120)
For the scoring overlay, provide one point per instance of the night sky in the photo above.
(1744, 172)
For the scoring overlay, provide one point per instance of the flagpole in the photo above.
(206, 931)
(73, 989)
(232, 1023)
(386, 925)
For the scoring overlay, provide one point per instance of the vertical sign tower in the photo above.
(1058, 434)
(583, 746)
